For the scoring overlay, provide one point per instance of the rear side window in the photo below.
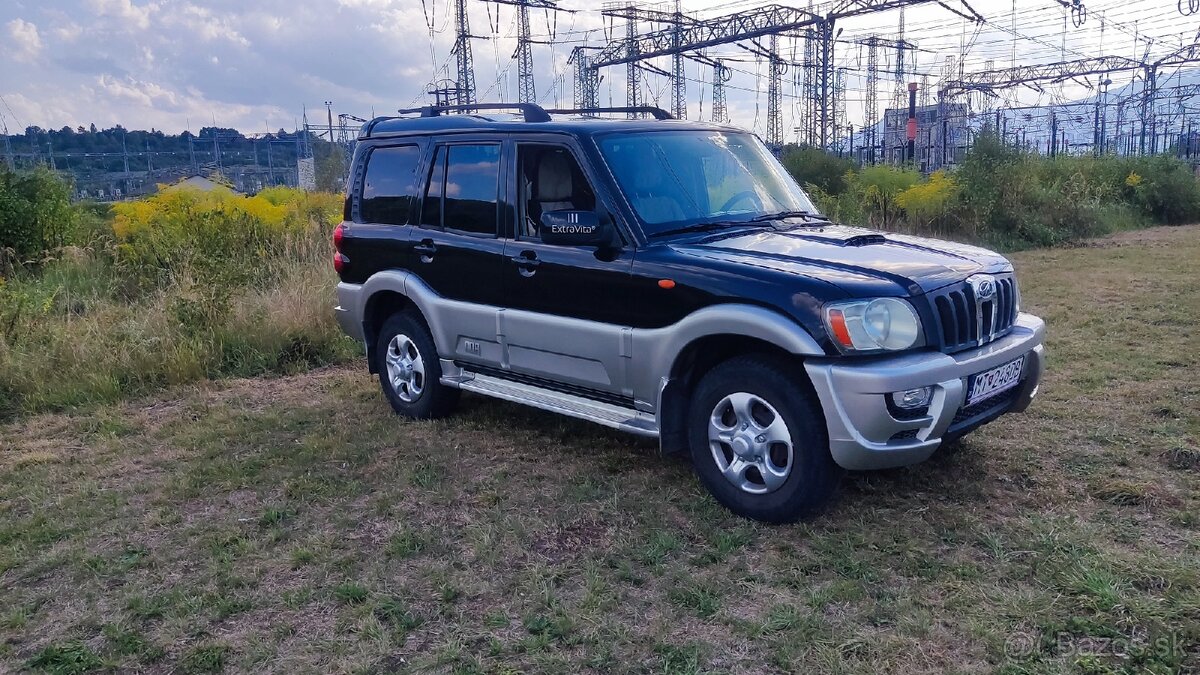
(464, 184)
(390, 187)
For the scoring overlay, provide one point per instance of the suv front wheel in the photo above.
(409, 369)
(758, 440)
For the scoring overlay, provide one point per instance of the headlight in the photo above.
(882, 324)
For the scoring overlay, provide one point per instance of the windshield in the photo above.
(676, 179)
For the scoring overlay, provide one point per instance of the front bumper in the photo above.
(864, 434)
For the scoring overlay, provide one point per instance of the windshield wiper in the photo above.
(780, 215)
(707, 227)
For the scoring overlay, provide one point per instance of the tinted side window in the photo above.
(389, 189)
(431, 210)
(472, 184)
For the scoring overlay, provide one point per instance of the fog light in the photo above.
(913, 398)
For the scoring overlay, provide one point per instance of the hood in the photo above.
(854, 254)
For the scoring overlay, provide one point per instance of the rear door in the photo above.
(457, 250)
(382, 203)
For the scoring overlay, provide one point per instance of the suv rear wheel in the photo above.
(409, 370)
(758, 440)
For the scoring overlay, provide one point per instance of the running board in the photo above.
(608, 414)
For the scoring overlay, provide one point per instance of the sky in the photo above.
(258, 65)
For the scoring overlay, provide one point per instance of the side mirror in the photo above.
(574, 228)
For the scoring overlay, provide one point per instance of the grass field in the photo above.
(295, 525)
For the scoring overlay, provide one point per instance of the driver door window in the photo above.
(550, 180)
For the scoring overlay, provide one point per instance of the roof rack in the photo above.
(658, 113)
(531, 111)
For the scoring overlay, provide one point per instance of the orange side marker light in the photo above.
(837, 322)
(666, 283)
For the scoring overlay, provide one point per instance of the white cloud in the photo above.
(149, 94)
(206, 24)
(124, 10)
(67, 32)
(26, 41)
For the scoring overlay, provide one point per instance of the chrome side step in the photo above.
(608, 414)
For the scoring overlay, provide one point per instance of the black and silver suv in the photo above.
(670, 279)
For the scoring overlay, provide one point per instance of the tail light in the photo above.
(339, 260)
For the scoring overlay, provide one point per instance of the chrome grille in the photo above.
(966, 320)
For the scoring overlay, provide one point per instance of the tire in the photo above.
(409, 370)
(760, 411)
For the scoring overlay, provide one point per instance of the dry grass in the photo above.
(295, 525)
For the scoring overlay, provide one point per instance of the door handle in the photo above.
(426, 249)
(527, 263)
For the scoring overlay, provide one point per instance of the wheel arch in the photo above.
(731, 331)
(384, 294)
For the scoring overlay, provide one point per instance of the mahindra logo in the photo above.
(983, 285)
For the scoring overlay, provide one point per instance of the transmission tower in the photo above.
(808, 96)
(587, 79)
(900, 90)
(462, 54)
(776, 68)
(721, 75)
(749, 24)
(838, 115)
(676, 21)
(678, 82)
(526, 91)
(871, 111)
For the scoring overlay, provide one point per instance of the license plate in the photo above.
(992, 382)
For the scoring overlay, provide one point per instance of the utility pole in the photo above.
(329, 115)
(632, 82)
(8, 151)
(462, 54)
(1053, 133)
(1150, 109)
(125, 158)
(1104, 112)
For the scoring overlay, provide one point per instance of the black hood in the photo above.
(853, 255)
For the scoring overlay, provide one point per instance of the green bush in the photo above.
(814, 167)
(1010, 198)
(1166, 189)
(35, 214)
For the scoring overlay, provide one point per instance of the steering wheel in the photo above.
(744, 194)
